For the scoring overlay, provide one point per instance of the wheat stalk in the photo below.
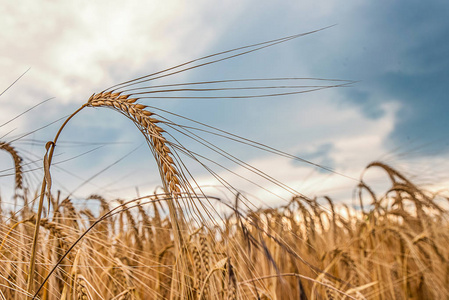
(142, 118)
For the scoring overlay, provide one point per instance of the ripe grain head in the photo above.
(148, 125)
(17, 163)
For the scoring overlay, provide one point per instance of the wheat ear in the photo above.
(17, 163)
(137, 113)
(148, 126)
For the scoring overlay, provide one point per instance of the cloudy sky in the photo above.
(396, 111)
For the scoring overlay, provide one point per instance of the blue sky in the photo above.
(396, 112)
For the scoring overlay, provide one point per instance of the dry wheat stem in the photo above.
(148, 126)
(50, 150)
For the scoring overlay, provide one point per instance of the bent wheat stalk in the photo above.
(159, 146)
(50, 146)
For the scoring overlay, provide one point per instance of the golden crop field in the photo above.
(176, 244)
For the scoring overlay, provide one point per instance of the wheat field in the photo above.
(174, 244)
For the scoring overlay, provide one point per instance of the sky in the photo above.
(396, 111)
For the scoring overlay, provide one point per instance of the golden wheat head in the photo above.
(17, 163)
(147, 124)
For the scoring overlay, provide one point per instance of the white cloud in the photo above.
(71, 47)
